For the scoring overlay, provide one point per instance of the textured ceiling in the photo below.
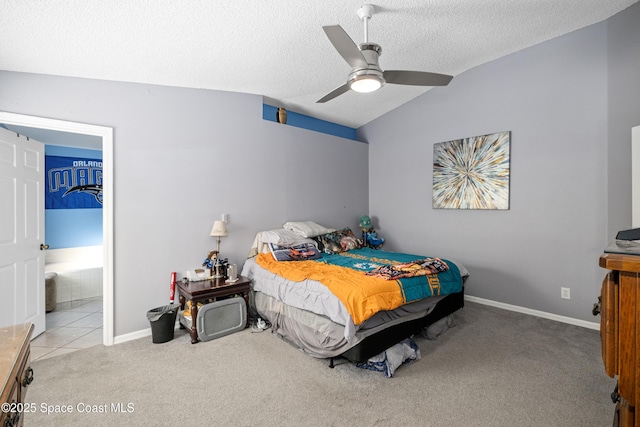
(277, 48)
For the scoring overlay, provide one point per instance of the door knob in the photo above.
(43, 246)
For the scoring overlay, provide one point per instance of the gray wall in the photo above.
(623, 84)
(182, 158)
(570, 127)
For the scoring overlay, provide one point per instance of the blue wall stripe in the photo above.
(311, 123)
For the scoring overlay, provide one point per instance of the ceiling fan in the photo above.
(366, 75)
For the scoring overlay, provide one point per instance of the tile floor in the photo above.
(73, 325)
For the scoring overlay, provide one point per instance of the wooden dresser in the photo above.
(620, 332)
(15, 372)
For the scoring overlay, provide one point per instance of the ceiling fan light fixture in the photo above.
(366, 83)
(366, 75)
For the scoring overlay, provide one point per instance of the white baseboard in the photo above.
(137, 334)
(132, 336)
(543, 314)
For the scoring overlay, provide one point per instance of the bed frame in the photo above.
(379, 342)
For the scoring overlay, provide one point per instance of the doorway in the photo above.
(106, 134)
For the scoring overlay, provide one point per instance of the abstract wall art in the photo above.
(472, 173)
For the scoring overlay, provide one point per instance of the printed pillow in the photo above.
(282, 237)
(338, 241)
(307, 228)
(302, 252)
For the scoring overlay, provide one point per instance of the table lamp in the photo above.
(219, 230)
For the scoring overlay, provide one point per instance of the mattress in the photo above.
(306, 305)
(314, 297)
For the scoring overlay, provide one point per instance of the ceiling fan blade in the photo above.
(345, 46)
(334, 93)
(416, 78)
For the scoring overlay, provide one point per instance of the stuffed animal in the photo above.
(213, 260)
(210, 261)
(372, 239)
(369, 235)
(365, 222)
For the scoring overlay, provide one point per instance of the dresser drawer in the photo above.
(15, 372)
(25, 374)
(12, 418)
(609, 323)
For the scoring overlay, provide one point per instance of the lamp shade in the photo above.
(219, 229)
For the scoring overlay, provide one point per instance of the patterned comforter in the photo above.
(346, 275)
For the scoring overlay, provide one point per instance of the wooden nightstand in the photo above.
(206, 290)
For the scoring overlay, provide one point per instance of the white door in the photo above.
(22, 296)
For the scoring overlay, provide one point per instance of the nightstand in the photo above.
(207, 290)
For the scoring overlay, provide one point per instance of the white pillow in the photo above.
(282, 237)
(307, 228)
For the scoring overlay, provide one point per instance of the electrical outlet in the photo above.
(565, 293)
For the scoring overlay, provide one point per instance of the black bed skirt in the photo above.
(377, 343)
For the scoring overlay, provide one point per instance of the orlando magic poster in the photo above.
(73, 183)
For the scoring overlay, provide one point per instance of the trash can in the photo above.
(163, 321)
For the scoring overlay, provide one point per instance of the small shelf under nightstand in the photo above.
(209, 290)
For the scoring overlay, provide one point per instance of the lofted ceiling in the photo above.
(277, 49)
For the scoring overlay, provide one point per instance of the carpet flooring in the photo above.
(494, 368)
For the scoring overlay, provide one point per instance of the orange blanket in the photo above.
(362, 295)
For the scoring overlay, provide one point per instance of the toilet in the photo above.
(50, 291)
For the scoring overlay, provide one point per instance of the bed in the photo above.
(347, 300)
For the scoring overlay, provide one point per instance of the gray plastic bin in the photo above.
(221, 318)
